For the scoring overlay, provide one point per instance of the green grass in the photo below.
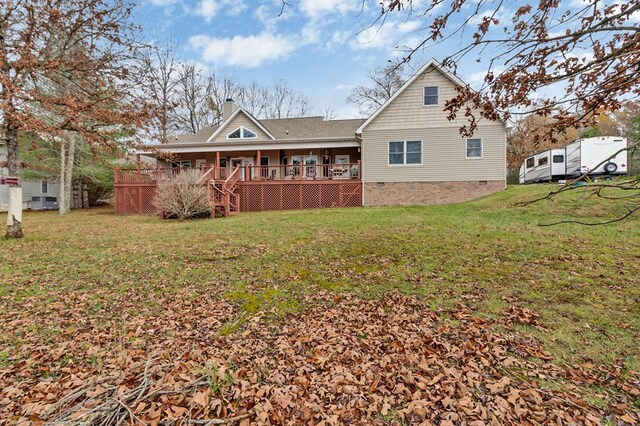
(486, 254)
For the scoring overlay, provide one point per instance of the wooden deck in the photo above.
(249, 188)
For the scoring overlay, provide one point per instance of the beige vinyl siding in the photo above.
(443, 155)
(241, 120)
(407, 110)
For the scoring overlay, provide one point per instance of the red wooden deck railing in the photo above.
(303, 172)
(248, 173)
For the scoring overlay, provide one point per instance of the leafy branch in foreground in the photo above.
(631, 188)
(586, 50)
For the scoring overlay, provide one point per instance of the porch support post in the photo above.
(258, 168)
(359, 169)
(216, 173)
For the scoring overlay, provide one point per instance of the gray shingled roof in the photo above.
(200, 136)
(290, 128)
(311, 128)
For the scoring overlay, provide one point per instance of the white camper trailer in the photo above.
(575, 159)
(584, 155)
(543, 167)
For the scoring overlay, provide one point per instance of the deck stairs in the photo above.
(223, 195)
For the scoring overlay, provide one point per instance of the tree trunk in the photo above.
(62, 209)
(14, 216)
(71, 154)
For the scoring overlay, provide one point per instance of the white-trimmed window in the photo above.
(242, 133)
(44, 187)
(402, 153)
(430, 96)
(474, 148)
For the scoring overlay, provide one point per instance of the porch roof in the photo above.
(252, 145)
(283, 129)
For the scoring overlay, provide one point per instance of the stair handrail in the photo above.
(232, 180)
(204, 177)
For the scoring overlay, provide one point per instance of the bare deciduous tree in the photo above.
(285, 102)
(383, 83)
(221, 89)
(159, 68)
(254, 99)
(194, 109)
(328, 113)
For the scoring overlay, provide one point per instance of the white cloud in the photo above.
(243, 51)
(408, 26)
(310, 33)
(343, 86)
(476, 79)
(162, 3)
(272, 13)
(207, 9)
(339, 38)
(397, 37)
(316, 9)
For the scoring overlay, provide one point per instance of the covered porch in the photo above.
(273, 165)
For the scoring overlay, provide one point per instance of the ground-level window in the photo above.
(176, 164)
(405, 152)
(44, 187)
(474, 148)
(430, 95)
(558, 159)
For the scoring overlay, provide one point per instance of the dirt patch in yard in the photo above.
(344, 361)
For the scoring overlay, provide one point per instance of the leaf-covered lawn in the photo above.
(376, 315)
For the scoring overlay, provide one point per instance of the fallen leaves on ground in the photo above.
(346, 361)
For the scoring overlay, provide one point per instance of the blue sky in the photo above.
(321, 47)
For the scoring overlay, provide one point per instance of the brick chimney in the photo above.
(228, 107)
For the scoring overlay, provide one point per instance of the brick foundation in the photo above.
(422, 193)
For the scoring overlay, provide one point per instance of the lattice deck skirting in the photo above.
(264, 196)
(255, 196)
(135, 198)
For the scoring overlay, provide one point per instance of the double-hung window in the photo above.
(474, 148)
(405, 152)
(430, 95)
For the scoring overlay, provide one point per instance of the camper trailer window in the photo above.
(558, 159)
(530, 162)
(542, 161)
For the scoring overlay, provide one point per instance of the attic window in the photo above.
(430, 95)
(242, 133)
